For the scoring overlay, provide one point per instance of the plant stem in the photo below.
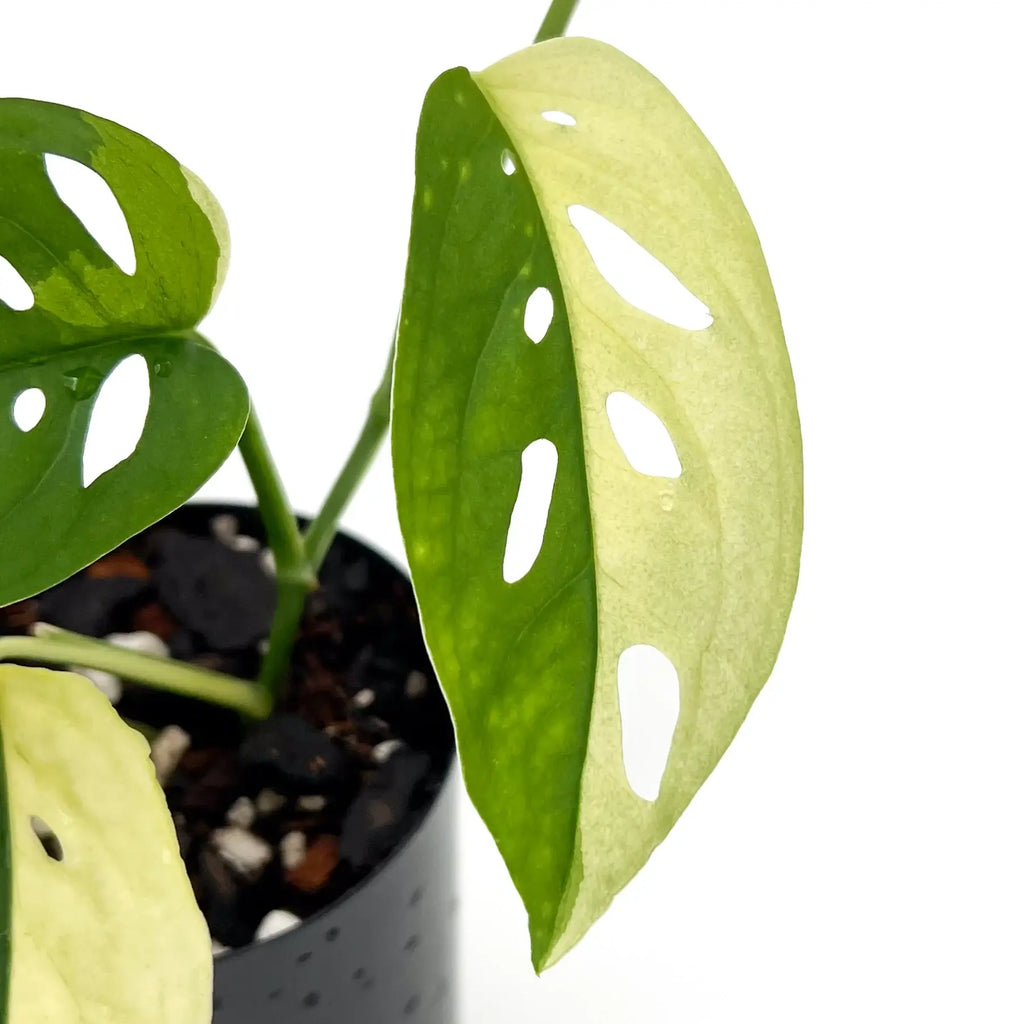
(321, 531)
(59, 647)
(556, 21)
(296, 576)
(282, 531)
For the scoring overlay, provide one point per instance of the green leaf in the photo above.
(110, 932)
(702, 566)
(88, 315)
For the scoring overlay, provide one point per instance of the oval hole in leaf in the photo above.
(639, 278)
(530, 512)
(118, 418)
(643, 438)
(648, 688)
(559, 117)
(47, 838)
(14, 290)
(540, 310)
(28, 408)
(508, 161)
(91, 200)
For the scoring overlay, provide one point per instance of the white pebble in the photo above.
(106, 682)
(383, 751)
(245, 852)
(224, 527)
(311, 803)
(219, 947)
(363, 699)
(267, 562)
(276, 922)
(167, 749)
(245, 544)
(293, 850)
(269, 802)
(142, 641)
(241, 813)
(415, 684)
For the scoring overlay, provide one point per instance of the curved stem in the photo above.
(282, 531)
(321, 531)
(60, 647)
(293, 571)
(556, 21)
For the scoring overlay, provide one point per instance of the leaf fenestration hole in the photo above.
(118, 418)
(530, 512)
(47, 838)
(93, 202)
(15, 292)
(642, 436)
(559, 117)
(508, 162)
(648, 688)
(638, 276)
(539, 312)
(28, 408)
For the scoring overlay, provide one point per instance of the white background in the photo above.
(857, 855)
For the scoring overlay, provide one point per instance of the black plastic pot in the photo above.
(382, 954)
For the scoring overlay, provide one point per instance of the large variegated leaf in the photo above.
(83, 315)
(97, 918)
(701, 566)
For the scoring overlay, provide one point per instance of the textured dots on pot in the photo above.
(539, 312)
(560, 117)
(530, 513)
(311, 999)
(118, 418)
(508, 162)
(304, 958)
(412, 1004)
(91, 200)
(639, 277)
(416, 897)
(642, 436)
(15, 292)
(47, 838)
(411, 944)
(648, 687)
(28, 408)
(331, 935)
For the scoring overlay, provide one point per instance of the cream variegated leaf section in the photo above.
(702, 567)
(111, 934)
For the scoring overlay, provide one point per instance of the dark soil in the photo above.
(346, 767)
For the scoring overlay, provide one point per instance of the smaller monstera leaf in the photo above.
(97, 917)
(698, 559)
(85, 315)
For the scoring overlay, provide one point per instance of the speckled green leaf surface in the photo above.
(86, 316)
(702, 566)
(110, 933)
